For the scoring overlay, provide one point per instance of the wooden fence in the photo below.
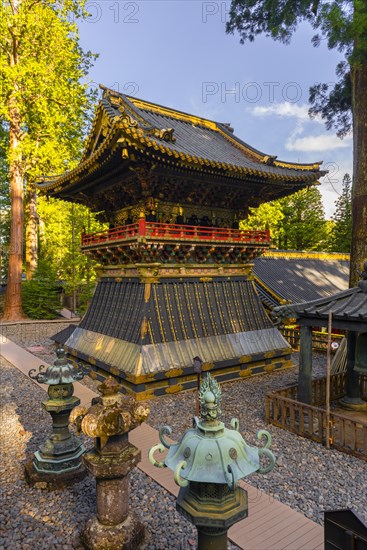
(319, 339)
(346, 434)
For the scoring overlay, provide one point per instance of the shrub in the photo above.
(40, 295)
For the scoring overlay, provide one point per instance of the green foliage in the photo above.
(268, 215)
(304, 226)
(41, 67)
(40, 295)
(341, 23)
(296, 222)
(341, 237)
(61, 227)
(334, 106)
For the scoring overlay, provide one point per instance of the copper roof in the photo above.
(131, 126)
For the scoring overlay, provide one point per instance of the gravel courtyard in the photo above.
(307, 477)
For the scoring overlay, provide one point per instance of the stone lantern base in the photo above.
(114, 527)
(58, 461)
(127, 535)
(50, 481)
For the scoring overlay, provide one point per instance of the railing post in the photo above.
(142, 225)
(267, 410)
(305, 366)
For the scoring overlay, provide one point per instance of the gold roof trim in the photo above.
(211, 125)
(172, 113)
(127, 123)
(199, 161)
(297, 255)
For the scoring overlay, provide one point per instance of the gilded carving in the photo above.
(245, 372)
(174, 389)
(173, 373)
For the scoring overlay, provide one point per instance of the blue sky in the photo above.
(177, 53)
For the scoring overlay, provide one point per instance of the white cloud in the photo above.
(284, 109)
(322, 142)
(319, 143)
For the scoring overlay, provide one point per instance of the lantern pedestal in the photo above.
(113, 526)
(213, 509)
(108, 421)
(58, 461)
(353, 403)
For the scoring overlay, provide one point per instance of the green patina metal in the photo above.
(61, 453)
(208, 462)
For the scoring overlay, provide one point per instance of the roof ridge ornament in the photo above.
(165, 134)
(269, 160)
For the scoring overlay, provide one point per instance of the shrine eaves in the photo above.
(138, 151)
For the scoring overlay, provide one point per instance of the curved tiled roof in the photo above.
(178, 138)
(349, 306)
(304, 277)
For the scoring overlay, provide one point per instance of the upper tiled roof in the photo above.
(206, 139)
(179, 138)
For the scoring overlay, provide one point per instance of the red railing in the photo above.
(174, 231)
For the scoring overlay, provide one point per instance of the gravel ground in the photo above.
(307, 477)
(32, 519)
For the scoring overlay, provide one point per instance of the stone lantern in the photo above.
(109, 420)
(58, 460)
(207, 463)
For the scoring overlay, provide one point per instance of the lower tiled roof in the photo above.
(175, 310)
(283, 279)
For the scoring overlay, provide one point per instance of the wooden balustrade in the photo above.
(168, 231)
(346, 434)
(319, 339)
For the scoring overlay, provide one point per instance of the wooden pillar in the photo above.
(305, 366)
(352, 376)
(352, 399)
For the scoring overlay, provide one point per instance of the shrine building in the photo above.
(176, 276)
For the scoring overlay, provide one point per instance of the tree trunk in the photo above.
(359, 190)
(31, 246)
(13, 300)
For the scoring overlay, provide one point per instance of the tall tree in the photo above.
(341, 237)
(43, 103)
(268, 215)
(304, 226)
(4, 203)
(296, 222)
(343, 24)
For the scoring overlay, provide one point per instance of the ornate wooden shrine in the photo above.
(175, 271)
